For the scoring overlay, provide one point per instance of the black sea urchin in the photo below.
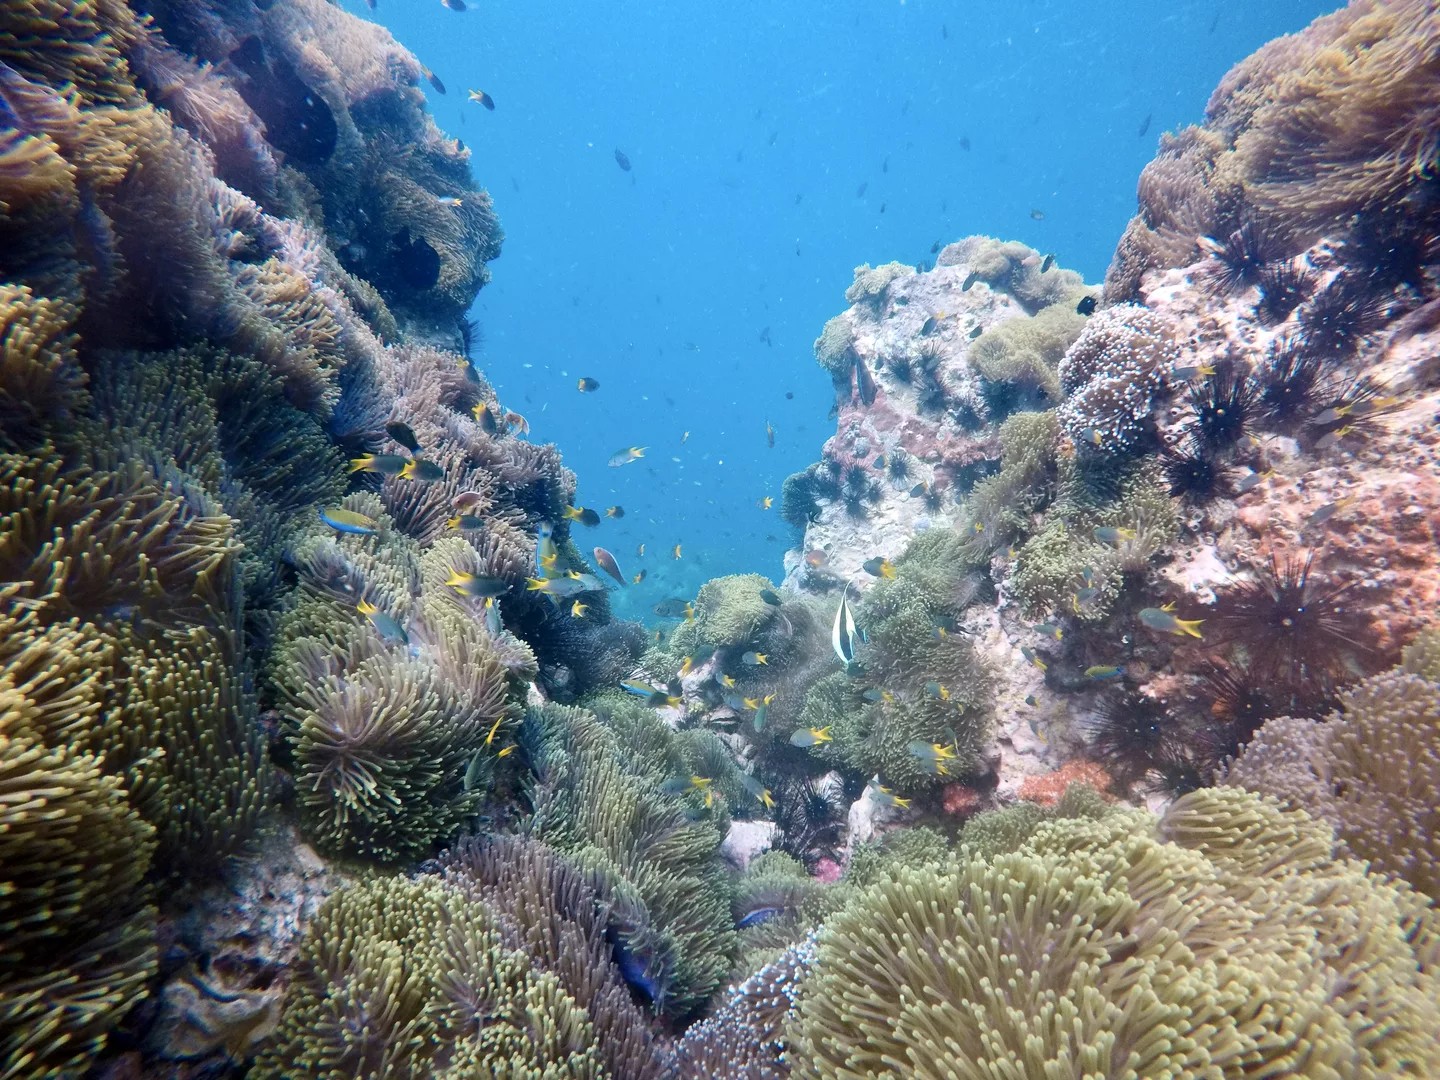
(1292, 383)
(1292, 626)
(1342, 315)
(1194, 474)
(1237, 262)
(1224, 407)
(1129, 734)
(1283, 287)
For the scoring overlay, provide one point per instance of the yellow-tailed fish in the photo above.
(1112, 534)
(616, 512)
(810, 736)
(1102, 672)
(422, 471)
(727, 680)
(935, 690)
(348, 521)
(756, 789)
(385, 625)
(493, 622)
(465, 522)
(476, 585)
(686, 666)
(557, 586)
(765, 503)
(384, 464)
(932, 755)
(638, 578)
(507, 751)
(755, 659)
(480, 97)
(578, 609)
(587, 385)
(1165, 621)
(1032, 658)
(1050, 630)
(885, 797)
(626, 456)
(878, 567)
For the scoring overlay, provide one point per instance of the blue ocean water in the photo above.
(773, 147)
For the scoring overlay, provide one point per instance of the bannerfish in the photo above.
(606, 562)
(348, 521)
(864, 383)
(624, 457)
(842, 633)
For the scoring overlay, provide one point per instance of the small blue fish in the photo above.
(758, 916)
(348, 521)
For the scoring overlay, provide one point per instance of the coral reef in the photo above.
(1308, 136)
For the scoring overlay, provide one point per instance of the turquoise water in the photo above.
(774, 147)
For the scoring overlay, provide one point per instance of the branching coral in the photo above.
(1203, 943)
(1372, 770)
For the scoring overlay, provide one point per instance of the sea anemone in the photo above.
(1283, 287)
(1342, 315)
(1238, 262)
(1291, 625)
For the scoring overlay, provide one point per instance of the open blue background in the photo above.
(751, 128)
